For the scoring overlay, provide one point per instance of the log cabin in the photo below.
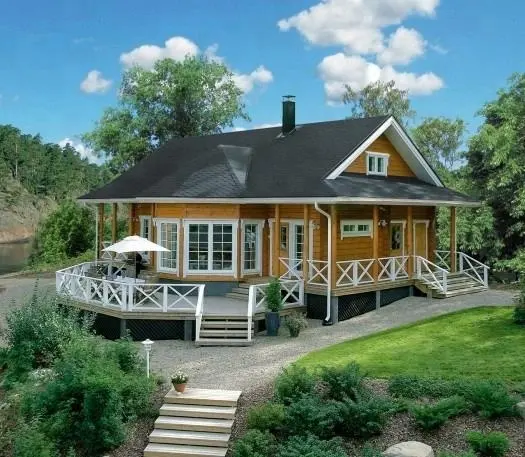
(343, 212)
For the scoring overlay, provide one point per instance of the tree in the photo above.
(440, 139)
(174, 99)
(379, 99)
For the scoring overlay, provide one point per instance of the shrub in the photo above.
(293, 383)
(343, 382)
(519, 310)
(127, 355)
(268, 417)
(311, 446)
(490, 399)
(429, 417)
(371, 452)
(295, 322)
(460, 454)
(363, 417)
(493, 444)
(311, 415)
(274, 299)
(255, 444)
(31, 442)
(415, 387)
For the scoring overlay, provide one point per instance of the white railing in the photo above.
(293, 295)
(294, 268)
(128, 294)
(393, 268)
(473, 268)
(442, 259)
(355, 272)
(198, 313)
(318, 272)
(431, 274)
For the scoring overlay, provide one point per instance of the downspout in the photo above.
(328, 318)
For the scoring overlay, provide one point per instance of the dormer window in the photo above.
(377, 163)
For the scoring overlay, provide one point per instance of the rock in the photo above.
(409, 449)
(521, 408)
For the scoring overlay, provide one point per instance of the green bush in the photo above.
(363, 417)
(371, 452)
(274, 299)
(493, 444)
(295, 322)
(293, 383)
(416, 387)
(343, 382)
(255, 444)
(31, 442)
(458, 454)
(268, 417)
(490, 399)
(432, 416)
(311, 446)
(311, 415)
(519, 310)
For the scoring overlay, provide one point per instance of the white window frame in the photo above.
(376, 156)
(258, 261)
(210, 222)
(158, 222)
(356, 233)
(145, 255)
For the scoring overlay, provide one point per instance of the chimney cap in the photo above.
(288, 98)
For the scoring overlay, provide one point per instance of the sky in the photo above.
(62, 60)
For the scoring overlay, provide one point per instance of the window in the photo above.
(210, 247)
(145, 227)
(298, 243)
(377, 163)
(251, 247)
(284, 237)
(351, 228)
(168, 237)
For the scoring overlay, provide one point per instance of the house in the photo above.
(344, 212)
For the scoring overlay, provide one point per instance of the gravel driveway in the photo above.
(248, 367)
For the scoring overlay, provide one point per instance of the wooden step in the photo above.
(224, 324)
(190, 438)
(241, 291)
(206, 397)
(211, 412)
(244, 285)
(223, 342)
(195, 424)
(178, 450)
(470, 290)
(235, 296)
(224, 333)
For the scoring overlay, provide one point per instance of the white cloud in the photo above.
(339, 70)
(267, 125)
(403, 46)
(258, 77)
(81, 148)
(95, 83)
(176, 48)
(211, 53)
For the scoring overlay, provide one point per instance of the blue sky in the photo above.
(451, 55)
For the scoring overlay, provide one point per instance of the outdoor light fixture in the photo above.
(147, 347)
(382, 223)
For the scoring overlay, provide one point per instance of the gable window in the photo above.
(352, 228)
(167, 236)
(377, 163)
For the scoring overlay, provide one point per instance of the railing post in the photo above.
(131, 297)
(165, 298)
(461, 262)
(251, 298)
(485, 275)
(105, 293)
(354, 273)
(301, 292)
(418, 267)
(445, 274)
(392, 261)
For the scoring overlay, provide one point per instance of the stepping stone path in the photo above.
(197, 423)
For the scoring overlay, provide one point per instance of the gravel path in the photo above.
(249, 367)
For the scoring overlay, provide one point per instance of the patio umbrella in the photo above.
(134, 244)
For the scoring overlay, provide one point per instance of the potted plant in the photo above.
(274, 304)
(296, 322)
(179, 381)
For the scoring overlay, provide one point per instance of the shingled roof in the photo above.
(264, 164)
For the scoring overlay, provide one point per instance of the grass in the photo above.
(480, 343)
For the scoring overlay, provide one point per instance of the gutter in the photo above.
(328, 318)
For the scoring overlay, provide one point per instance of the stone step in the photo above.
(190, 438)
(177, 450)
(224, 324)
(210, 412)
(223, 342)
(205, 397)
(224, 333)
(195, 424)
(235, 296)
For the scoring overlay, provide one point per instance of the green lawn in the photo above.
(477, 343)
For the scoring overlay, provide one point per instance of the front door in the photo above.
(397, 239)
(421, 239)
(284, 245)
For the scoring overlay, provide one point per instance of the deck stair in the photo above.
(197, 423)
(225, 331)
(457, 284)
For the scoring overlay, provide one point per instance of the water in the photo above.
(14, 256)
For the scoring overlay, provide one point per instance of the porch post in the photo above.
(240, 248)
(114, 210)
(410, 242)
(131, 217)
(306, 241)
(333, 257)
(276, 241)
(101, 224)
(375, 242)
(453, 245)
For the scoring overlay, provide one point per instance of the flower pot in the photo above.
(179, 387)
(273, 322)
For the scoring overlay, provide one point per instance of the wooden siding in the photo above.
(396, 164)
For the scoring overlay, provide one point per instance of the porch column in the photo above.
(114, 210)
(333, 216)
(131, 217)
(453, 246)
(306, 241)
(375, 241)
(276, 242)
(101, 224)
(410, 241)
